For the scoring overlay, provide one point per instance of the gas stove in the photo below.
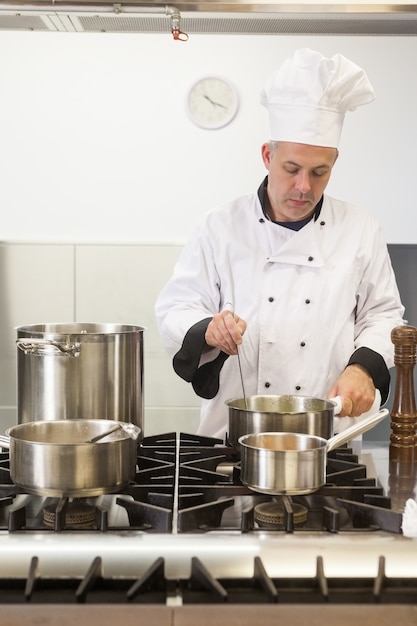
(187, 531)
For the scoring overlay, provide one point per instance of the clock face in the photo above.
(212, 102)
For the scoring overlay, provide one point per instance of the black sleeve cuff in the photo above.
(375, 364)
(204, 379)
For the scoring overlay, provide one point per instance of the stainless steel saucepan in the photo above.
(72, 458)
(285, 413)
(279, 463)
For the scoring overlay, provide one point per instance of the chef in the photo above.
(295, 284)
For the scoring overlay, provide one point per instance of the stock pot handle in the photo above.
(37, 346)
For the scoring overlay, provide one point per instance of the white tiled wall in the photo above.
(42, 283)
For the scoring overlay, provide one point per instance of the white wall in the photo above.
(96, 145)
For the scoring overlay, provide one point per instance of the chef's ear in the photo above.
(267, 154)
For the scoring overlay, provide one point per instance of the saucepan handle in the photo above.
(360, 427)
(337, 400)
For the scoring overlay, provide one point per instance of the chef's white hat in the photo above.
(308, 96)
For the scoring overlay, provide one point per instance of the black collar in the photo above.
(262, 195)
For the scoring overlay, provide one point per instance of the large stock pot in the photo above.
(77, 371)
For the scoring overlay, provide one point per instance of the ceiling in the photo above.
(214, 17)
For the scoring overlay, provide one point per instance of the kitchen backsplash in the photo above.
(43, 283)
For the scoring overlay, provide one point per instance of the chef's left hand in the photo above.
(356, 388)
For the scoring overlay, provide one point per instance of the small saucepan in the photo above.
(72, 458)
(288, 463)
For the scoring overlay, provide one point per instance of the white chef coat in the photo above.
(310, 299)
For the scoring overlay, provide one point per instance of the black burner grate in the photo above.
(193, 483)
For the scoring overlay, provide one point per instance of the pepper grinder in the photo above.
(403, 438)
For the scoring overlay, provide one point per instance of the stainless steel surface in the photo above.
(283, 413)
(292, 463)
(215, 17)
(53, 458)
(76, 370)
(227, 554)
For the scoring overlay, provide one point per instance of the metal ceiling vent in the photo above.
(215, 17)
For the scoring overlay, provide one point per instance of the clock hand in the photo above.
(215, 104)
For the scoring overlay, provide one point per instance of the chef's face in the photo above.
(298, 176)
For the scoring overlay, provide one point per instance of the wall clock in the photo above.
(212, 102)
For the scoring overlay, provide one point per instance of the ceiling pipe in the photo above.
(117, 8)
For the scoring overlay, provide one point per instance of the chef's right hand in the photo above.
(225, 332)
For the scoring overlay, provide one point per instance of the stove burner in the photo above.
(273, 514)
(78, 514)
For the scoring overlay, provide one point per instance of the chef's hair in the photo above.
(273, 145)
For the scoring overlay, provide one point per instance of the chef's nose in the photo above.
(303, 182)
